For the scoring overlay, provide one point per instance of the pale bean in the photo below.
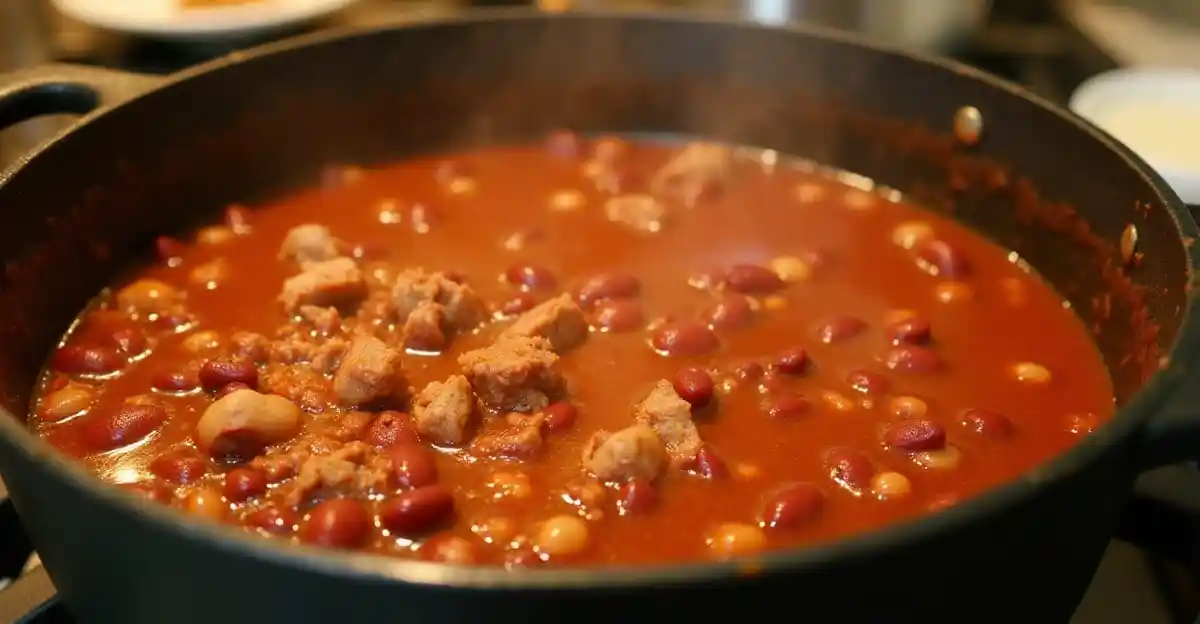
(70, 400)
(947, 458)
(733, 539)
(889, 484)
(562, 535)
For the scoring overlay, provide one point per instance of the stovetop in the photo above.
(1026, 41)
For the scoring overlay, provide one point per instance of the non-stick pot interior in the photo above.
(254, 128)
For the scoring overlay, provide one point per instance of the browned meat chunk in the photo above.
(354, 467)
(251, 346)
(633, 452)
(519, 441)
(423, 329)
(309, 243)
(463, 308)
(301, 384)
(336, 283)
(698, 170)
(370, 371)
(326, 321)
(558, 320)
(637, 211)
(671, 418)
(514, 374)
(443, 410)
(294, 345)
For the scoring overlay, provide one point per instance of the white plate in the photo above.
(166, 19)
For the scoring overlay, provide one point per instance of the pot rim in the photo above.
(363, 567)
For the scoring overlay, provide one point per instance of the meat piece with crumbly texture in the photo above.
(355, 467)
(370, 371)
(559, 320)
(332, 283)
(251, 346)
(514, 374)
(423, 329)
(325, 321)
(309, 243)
(671, 418)
(442, 410)
(521, 440)
(463, 308)
(302, 385)
(635, 452)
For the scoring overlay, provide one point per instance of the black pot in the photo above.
(259, 123)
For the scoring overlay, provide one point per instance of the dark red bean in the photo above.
(791, 505)
(987, 423)
(175, 381)
(915, 435)
(792, 361)
(608, 286)
(87, 360)
(731, 312)
(772, 383)
(230, 388)
(564, 144)
(447, 548)
(181, 466)
(390, 429)
(530, 277)
(272, 519)
(244, 483)
(840, 328)
(417, 511)
(215, 374)
(849, 467)
(237, 446)
(125, 425)
(749, 371)
(709, 465)
(751, 279)
(911, 359)
(787, 405)
(129, 341)
(868, 382)
(559, 416)
(519, 303)
(939, 258)
(636, 496)
(683, 338)
(169, 250)
(694, 385)
(337, 523)
(414, 465)
(913, 331)
(174, 320)
(620, 315)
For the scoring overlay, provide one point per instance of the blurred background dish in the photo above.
(197, 19)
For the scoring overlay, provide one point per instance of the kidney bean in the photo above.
(683, 338)
(912, 330)
(564, 144)
(230, 388)
(731, 312)
(337, 523)
(987, 423)
(168, 249)
(180, 466)
(790, 506)
(787, 405)
(129, 341)
(751, 279)
(608, 286)
(519, 303)
(840, 328)
(915, 435)
(450, 549)
(414, 465)
(709, 465)
(792, 361)
(620, 315)
(417, 511)
(215, 374)
(694, 385)
(77, 359)
(911, 359)
(530, 277)
(849, 467)
(941, 259)
(749, 371)
(868, 382)
(636, 496)
(389, 429)
(175, 381)
(559, 416)
(244, 483)
(123, 426)
(272, 519)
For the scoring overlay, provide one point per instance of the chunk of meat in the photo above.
(559, 320)
(309, 243)
(637, 211)
(370, 371)
(514, 374)
(671, 418)
(354, 467)
(522, 440)
(423, 329)
(297, 346)
(325, 321)
(696, 171)
(463, 307)
(335, 283)
(241, 424)
(302, 385)
(442, 410)
(633, 452)
(250, 346)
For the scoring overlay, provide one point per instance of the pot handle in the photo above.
(57, 88)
